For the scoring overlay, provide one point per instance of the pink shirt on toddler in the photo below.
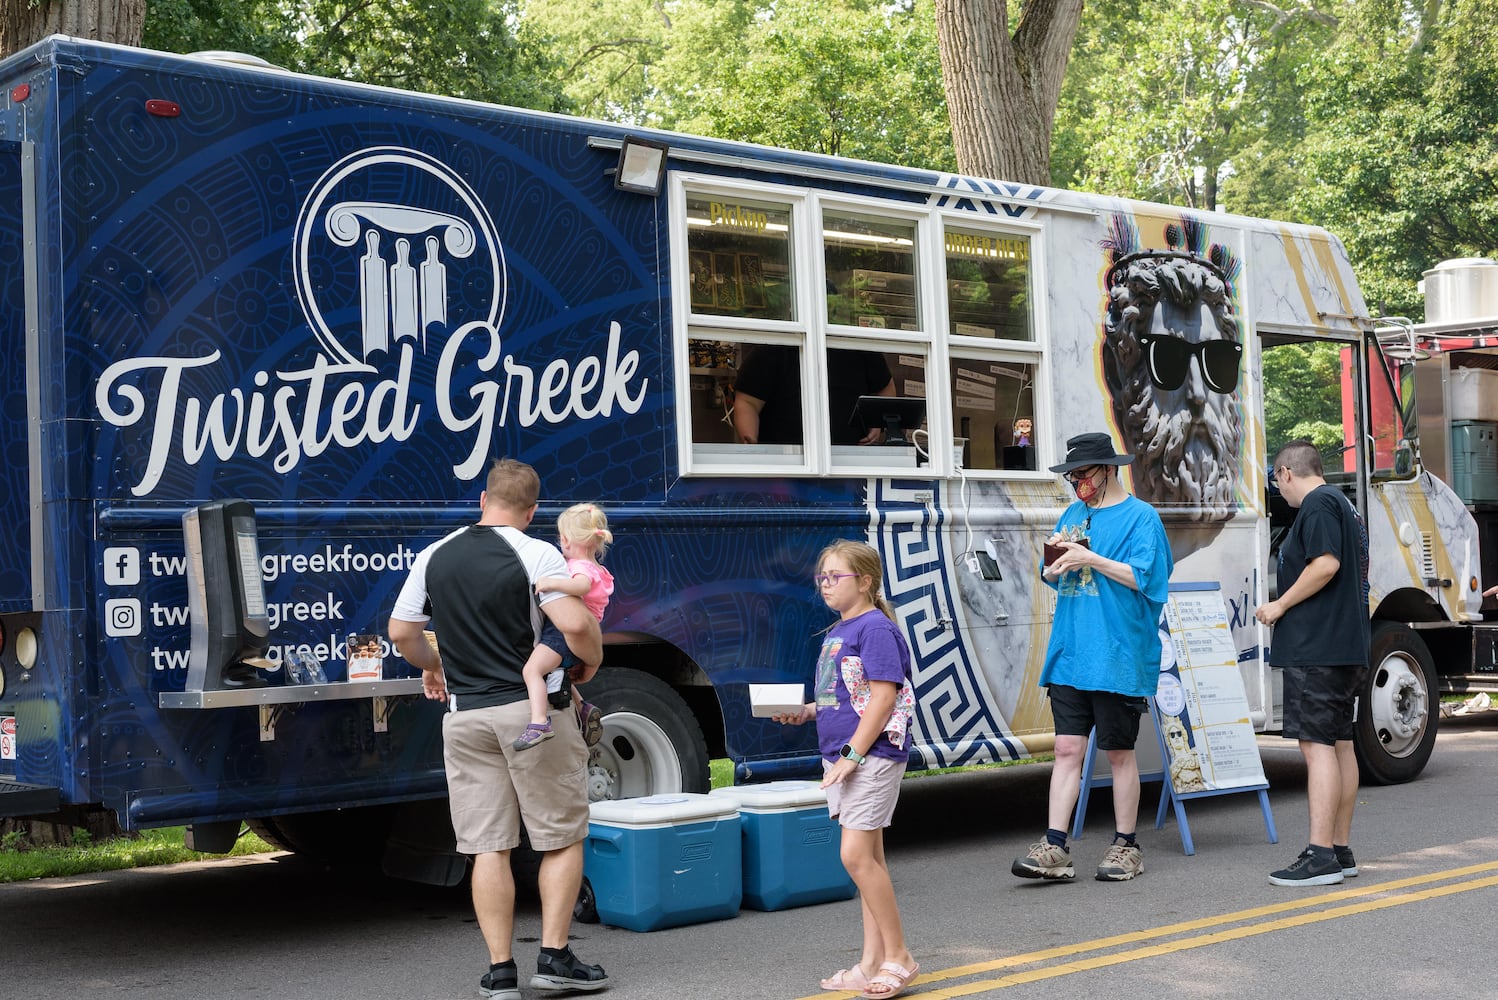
(601, 585)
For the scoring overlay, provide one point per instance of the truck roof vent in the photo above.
(1462, 289)
(234, 59)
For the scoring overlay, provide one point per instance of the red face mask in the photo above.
(1086, 489)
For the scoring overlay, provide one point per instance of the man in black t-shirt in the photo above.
(767, 394)
(476, 586)
(1320, 641)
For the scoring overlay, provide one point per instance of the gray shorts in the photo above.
(492, 787)
(866, 798)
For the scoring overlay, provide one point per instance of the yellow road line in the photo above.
(1186, 944)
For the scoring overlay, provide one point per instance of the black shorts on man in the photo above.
(1116, 716)
(1320, 703)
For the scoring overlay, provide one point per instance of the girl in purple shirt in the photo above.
(863, 710)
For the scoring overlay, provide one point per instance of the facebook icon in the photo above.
(121, 567)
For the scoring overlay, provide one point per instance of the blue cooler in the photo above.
(790, 845)
(664, 860)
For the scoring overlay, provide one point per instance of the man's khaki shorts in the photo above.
(492, 787)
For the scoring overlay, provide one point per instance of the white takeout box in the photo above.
(776, 699)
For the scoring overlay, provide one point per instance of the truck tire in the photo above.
(1396, 727)
(651, 745)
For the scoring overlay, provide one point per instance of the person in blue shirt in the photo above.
(1109, 562)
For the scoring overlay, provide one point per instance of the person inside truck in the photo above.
(1171, 359)
(767, 394)
(476, 585)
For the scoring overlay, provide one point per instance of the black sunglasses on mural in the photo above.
(1170, 359)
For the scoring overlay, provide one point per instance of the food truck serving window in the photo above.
(988, 285)
(812, 328)
(740, 256)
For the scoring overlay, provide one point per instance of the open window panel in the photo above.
(876, 408)
(993, 413)
(745, 398)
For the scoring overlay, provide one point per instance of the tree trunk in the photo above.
(25, 21)
(1002, 91)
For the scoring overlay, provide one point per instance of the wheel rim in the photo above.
(1397, 703)
(635, 757)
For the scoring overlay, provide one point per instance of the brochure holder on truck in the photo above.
(225, 597)
(231, 629)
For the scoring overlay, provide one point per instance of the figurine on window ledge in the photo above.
(1022, 428)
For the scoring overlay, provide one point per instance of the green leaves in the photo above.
(846, 77)
(459, 48)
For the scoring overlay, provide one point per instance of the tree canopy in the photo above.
(1377, 119)
(460, 48)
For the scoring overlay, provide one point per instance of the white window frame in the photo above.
(997, 349)
(813, 333)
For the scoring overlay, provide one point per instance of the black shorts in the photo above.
(1320, 703)
(552, 639)
(1116, 716)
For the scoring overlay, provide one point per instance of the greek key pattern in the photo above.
(955, 723)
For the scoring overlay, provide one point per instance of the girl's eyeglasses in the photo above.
(829, 579)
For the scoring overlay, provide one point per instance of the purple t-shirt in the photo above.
(875, 640)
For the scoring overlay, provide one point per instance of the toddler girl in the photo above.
(585, 536)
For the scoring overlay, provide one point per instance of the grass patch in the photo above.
(1040, 758)
(720, 771)
(19, 862)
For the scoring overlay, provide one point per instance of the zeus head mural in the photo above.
(1172, 356)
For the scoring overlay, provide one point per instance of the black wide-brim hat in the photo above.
(1090, 449)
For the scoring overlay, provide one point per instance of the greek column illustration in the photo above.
(393, 303)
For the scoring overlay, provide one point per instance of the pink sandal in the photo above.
(853, 980)
(890, 981)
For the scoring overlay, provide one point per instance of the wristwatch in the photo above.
(851, 754)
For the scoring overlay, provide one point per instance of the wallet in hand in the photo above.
(1054, 552)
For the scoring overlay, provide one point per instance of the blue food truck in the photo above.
(311, 312)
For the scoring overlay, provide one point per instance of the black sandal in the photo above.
(561, 970)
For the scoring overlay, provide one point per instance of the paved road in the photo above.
(1417, 922)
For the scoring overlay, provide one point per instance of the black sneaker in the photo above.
(1344, 858)
(503, 982)
(565, 972)
(1308, 869)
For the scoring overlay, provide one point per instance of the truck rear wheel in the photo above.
(652, 744)
(1396, 728)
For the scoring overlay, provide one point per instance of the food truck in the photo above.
(268, 331)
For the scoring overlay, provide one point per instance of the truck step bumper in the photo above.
(20, 799)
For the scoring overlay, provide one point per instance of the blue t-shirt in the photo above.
(875, 640)
(1106, 636)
